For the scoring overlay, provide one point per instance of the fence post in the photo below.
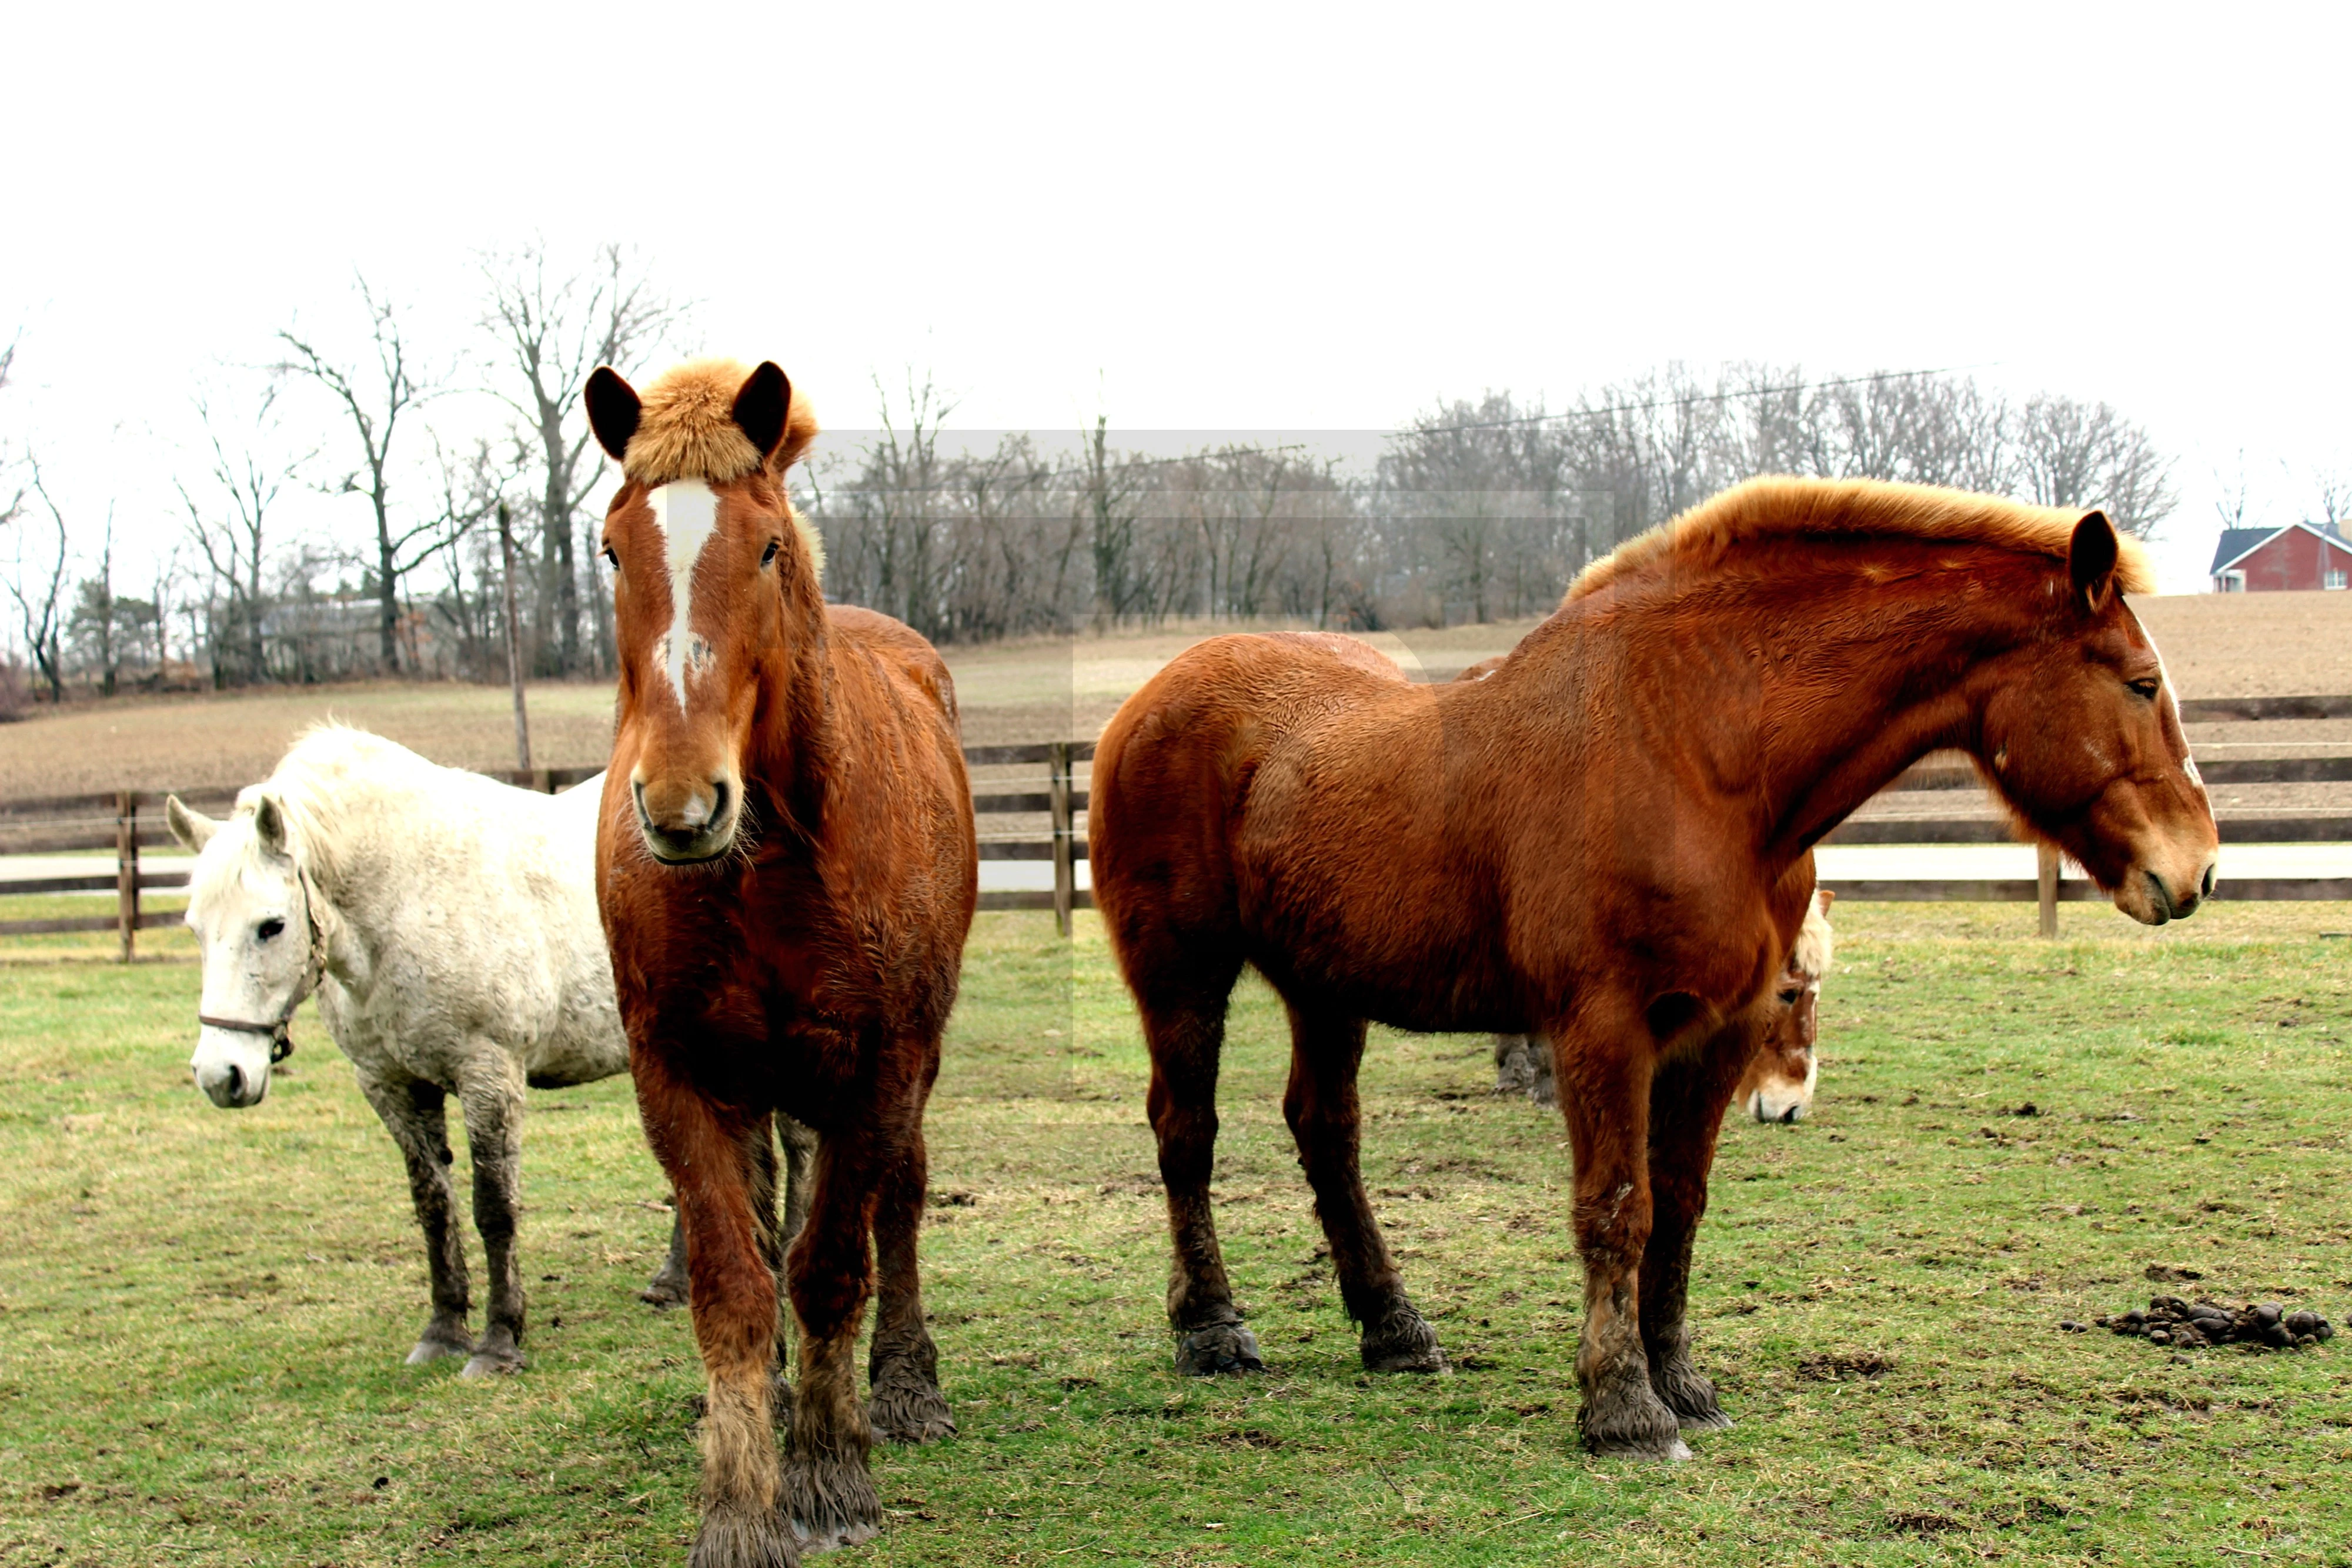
(126, 869)
(2046, 888)
(1058, 795)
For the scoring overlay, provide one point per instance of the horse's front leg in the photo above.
(902, 1371)
(1688, 1096)
(1603, 1060)
(667, 1287)
(491, 1088)
(824, 1490)
(711, 1152)
(413, 1112)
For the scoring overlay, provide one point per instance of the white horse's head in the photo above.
(251, 909)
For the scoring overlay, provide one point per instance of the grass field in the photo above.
(202, 1313)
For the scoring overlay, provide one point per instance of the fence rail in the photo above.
(130, 821)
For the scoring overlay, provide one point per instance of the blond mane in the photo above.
(1778, 507)
(686, 430)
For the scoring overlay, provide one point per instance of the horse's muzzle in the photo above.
(230, 1086)
(685, 826)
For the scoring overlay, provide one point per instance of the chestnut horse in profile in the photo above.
(787, 870)
(1705, 704)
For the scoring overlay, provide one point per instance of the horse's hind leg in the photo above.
(1326, 1050)
(902, 1371)
(1185, 1028)
(490, 1086)
(414, 1115)
(1602, 1055)
(667, 1289)
(1688, 1099)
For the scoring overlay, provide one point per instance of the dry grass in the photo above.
(1035, 689)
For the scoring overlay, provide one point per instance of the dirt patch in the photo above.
(1837, 1365)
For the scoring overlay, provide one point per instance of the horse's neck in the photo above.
(1914, 682)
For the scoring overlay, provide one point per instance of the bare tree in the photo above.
(2086, 454)
(230, 526)
(36, 581)
(373, 398)
(98, 616)
(551, 332)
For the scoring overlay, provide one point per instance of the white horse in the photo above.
(448, 925)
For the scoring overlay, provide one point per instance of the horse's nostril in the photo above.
(236, 1082)
(1789, 1115)
(2205, 887)
(719, 800)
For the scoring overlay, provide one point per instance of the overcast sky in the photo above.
(1212, 219)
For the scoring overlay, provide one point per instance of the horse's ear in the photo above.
(269, 824)
(1827, 898)
(2091, 559)
(193, 828)
(762, 406)
(612, 410)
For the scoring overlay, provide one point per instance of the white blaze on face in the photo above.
(2171, 701)
(686, 512)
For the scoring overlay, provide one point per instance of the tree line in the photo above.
(1473, 510)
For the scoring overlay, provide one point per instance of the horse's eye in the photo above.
(2146, 689)
(769, 560)
(1789, 999)
(269, 930)
(611, 560)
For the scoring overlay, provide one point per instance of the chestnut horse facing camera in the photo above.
(787, 870)
(1705, 704)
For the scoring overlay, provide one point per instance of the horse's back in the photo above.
(479, 899)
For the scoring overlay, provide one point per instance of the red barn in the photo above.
(2301, 555)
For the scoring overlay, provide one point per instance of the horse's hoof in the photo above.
(1689, 1394)
(1402, 1341)
(1672, 1450)
(1219, 1348)
(828, 1502)
(904, 1407)
(494, 1364)
(1627, 1421)
(735, 1538)
(431, 1349)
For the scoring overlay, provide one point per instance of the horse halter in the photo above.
(314, 969)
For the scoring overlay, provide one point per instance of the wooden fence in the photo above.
(129, 821)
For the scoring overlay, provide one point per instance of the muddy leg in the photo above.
(800, 1172)
(902, 1372)
(1324, 1051)
(1688, 1099)
(708, 1152)
(491, 1088)
(826, 1491)
(667, 1287)
(414, 1114)
(1604, 1092)
(1186, 1033)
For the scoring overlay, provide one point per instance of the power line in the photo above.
(1674, 402)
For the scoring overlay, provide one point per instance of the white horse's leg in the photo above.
(411, 1112)
(490, 1087)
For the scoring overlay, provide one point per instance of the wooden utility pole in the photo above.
(514, 641)
(126, 870)
(1064, 836)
